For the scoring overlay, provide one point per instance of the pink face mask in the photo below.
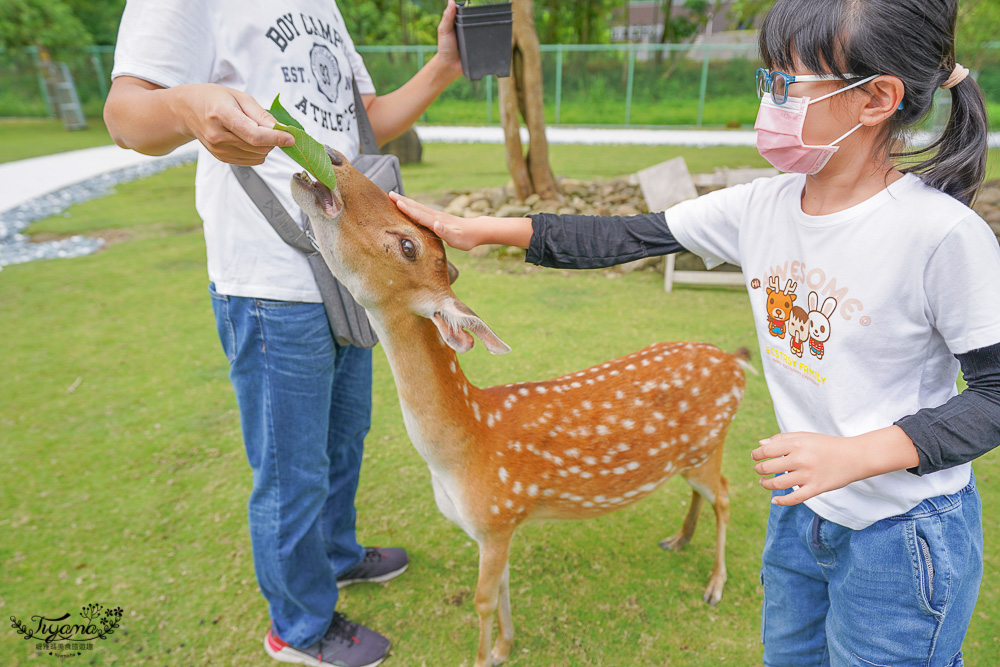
(779, 134)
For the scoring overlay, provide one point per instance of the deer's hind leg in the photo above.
(707, 483)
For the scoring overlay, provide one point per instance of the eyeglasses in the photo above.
(777, 83)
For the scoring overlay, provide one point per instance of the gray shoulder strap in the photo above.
(365, 131)
(265, 201)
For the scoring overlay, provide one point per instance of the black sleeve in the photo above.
(967, 426)
(590, 242)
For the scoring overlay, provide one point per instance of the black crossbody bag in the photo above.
(348, 321)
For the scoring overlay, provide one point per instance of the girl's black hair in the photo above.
(913, 40)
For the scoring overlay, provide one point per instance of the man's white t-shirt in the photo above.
(882, 296)
(296, 49)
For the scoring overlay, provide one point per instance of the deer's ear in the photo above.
(453, 317)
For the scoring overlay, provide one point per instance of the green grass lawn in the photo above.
(25, 138)
(125, 481)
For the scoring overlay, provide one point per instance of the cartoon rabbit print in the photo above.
(819, 323)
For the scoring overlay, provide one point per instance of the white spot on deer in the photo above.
(648, 385)
(586, 405)
(503, 474)
(587, 503)
(554, 433)
(672, 423)
(533, 490)
(465, 389)
(574, 470)
(606, 405)
(606, 458)
(615, 372)
(705, 372)
(475, 411)
(657, 358)
(645, 362)
(600, 378)
(646, 488)
(614, 501)
(682, 406)
(695, 391)
(548, 492)
(586, 475)
(703, 421)
(653, 451)
(620, 470)
(628, 423)
(572, 453)
(622, 447)
(563, 473)
(453, 366)
(517, 487)
(606, 366)
(630, 494)
(669, 467)
(490, 420)
(557, 460)
(605, 472)
(619, 394)
(630, 367)
(495, 509)
(685, 438)
(590, 460)
(509, 504)
(649, 429)
(575, 385)
(515, 445)
(638, 402)
(564, 495)
(540, 389)
(658, 415)
(589, 380)
(678, 382)
(523, 391)
(632, 465)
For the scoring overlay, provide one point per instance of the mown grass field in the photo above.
(125, 480)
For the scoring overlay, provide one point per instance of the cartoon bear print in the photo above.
(819, 323)
(779, 305)
(798, 330)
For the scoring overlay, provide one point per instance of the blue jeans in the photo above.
(305, 408)
(900, 592)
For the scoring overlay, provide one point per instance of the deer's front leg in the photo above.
(505, 621)
(493, 553)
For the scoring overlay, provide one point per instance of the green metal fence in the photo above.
(619, 85)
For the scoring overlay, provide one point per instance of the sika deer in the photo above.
(574, 447)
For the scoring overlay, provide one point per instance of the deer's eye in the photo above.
(408, 247)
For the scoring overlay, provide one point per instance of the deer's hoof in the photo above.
(675, 543)
(713, 593)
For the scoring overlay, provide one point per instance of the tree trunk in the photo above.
(521, 94)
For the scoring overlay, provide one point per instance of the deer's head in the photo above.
(387, 261)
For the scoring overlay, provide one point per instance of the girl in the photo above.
(873, 554)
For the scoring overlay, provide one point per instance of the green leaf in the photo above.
(307, 151)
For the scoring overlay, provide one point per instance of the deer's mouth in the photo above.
(324, 197)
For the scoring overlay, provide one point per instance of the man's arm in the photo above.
(153, 120)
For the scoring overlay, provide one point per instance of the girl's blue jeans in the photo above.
(900, 592)
(305, 408)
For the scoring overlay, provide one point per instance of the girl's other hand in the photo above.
(818, 463)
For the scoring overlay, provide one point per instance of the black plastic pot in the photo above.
(484, 39)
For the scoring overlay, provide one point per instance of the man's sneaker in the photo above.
(345, 644)
(378, 565)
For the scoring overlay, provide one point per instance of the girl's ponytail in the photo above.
(956, 163)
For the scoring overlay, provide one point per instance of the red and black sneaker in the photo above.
(345, 644)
